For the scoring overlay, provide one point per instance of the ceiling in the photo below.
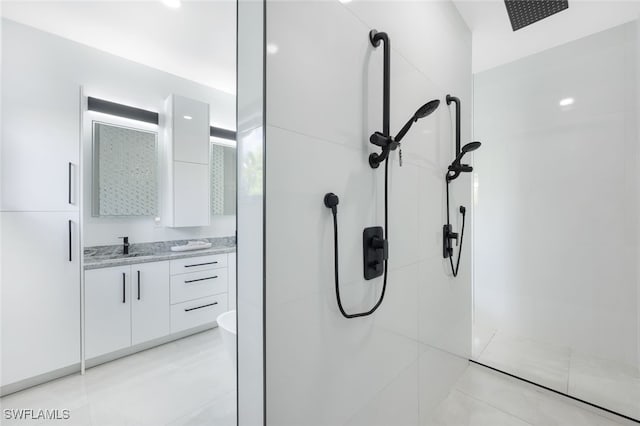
(495, 43)
(196, 41)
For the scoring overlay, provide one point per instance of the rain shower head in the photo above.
(422, 112)
(526, 12)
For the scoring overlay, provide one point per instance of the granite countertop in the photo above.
(106, 256)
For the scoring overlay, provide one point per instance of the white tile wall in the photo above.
(324, 99)
(556, 218)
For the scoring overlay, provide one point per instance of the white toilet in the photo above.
(227, 324)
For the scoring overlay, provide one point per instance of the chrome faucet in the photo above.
(125, 245)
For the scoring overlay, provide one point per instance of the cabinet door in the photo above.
(107, 297)
(40, 293)
(150, 312)
(190, 130)
(40, 132)
(191, 194)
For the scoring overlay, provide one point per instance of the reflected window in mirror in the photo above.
(223, 178)
(125, 171)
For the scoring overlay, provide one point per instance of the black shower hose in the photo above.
(335, 249)
(455, 270)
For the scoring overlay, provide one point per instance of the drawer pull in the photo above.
(200, 307)
(70, 167)
(201, 264)
(70, 241)
(201, 279)
(124, 287)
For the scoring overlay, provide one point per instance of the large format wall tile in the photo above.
(324, 100)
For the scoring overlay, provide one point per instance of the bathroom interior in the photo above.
(320, 213)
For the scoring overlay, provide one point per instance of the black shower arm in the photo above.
(375, 38)
(456, 100)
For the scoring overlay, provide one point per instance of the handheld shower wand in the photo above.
(389, 143)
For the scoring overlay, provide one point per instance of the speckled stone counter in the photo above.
(106, 256)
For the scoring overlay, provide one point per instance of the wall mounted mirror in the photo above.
(223, 179)
(125, 171)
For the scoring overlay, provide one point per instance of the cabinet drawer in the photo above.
(195, 285)
(200, 263)
(197, 312)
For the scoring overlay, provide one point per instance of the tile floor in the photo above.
(605, 383)
(187, 382)
(486, 398)
(191, 382)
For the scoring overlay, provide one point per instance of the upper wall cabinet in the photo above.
(187, 163)
(190, 129)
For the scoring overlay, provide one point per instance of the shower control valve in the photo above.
(375, 252)
(381, 244)
(447, 244)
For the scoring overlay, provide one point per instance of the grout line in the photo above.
(571, 351)
(484, 348)
(488, 404)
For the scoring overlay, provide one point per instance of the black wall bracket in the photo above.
(376, 251)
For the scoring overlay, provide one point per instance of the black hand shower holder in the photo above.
(375, 245)
(374, 241)
(453, 171)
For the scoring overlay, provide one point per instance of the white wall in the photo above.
(556, 218)
(324, 99)
(64, 63)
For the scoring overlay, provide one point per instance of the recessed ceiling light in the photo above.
(188, 117)
(345, 1)
(567, 101)
(174, 4)
(272, 48)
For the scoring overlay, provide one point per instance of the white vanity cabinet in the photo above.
(187, 180)
(149, 301)
(152, 303)
(107, 298)
(125, 306)
(198, 290)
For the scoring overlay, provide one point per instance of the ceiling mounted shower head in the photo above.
(422, 112)
(526, 12)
